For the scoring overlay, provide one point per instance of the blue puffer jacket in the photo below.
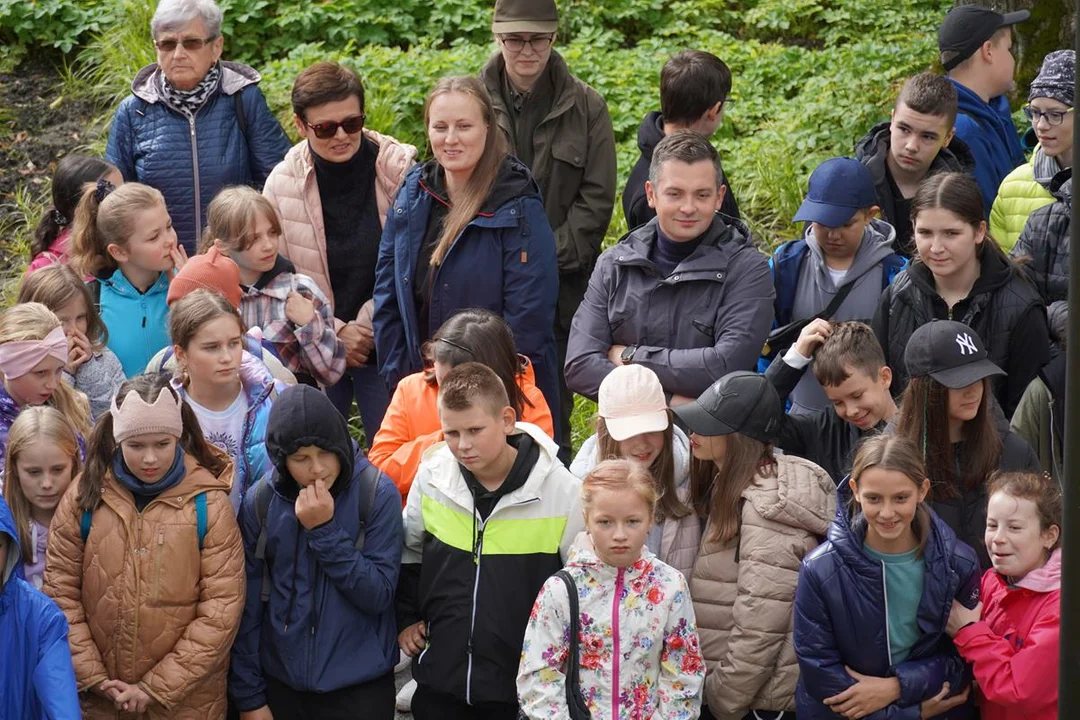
(152, 143)
(504, 261)
(38, 680)
(840, 619)
(329, 621)
(138, 323)
(261, 389)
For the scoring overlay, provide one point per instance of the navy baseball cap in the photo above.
(838, 188)
(967, 27)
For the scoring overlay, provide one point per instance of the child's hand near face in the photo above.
(314, 505)
(812, 337)
(179, 257)
(78, 350)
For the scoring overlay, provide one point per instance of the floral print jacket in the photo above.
(639, 651)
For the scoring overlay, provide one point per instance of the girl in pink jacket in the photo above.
(1012, 637)
(638, 655)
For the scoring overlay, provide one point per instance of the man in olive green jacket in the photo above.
(561, 129)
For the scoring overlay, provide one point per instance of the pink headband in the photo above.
(138, 417)
(20, 357)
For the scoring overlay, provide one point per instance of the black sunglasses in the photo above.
(327, 130)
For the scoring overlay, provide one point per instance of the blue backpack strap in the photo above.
(263, 493)
(85, 523)
(200, 518)
(787, 261)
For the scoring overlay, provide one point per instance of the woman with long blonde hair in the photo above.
(467, 230)
(33, 353)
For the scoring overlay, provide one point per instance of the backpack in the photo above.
(369, 484)
(200, 520)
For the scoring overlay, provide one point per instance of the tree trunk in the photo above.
(1050, 28)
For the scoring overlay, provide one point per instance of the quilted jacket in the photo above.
(744, 589)
(189, 161)
(145, 605)
(841, 620)
(1045, 242)
(640, 655)
(1019, 195)
(293, 189)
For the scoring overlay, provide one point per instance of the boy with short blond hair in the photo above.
(489, 518)
(839, 267)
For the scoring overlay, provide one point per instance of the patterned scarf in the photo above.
(189, 101)
(1043, 168)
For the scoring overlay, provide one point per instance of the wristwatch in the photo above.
(627, 355)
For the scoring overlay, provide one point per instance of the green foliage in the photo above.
(58, 24)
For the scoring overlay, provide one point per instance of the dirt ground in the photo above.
(38, 126)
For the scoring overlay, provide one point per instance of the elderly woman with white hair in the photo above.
(194, 123)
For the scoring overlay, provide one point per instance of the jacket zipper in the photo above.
(157, 562)
(476, 593)
(615, 643)
(195, 173)
(885, 593)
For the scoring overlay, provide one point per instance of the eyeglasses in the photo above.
(327, 130)
(539, 43)
(1053, 117)
(189, 44)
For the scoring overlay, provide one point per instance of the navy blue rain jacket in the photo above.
(37, 679)
(989, 132)
(329, 622)
(504, 261)
(840, 619)
(152, 143)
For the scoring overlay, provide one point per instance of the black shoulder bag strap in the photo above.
(780, 339)
(579, 710)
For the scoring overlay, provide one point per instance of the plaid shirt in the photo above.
(313, 348)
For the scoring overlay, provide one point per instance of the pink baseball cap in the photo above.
(631, 401)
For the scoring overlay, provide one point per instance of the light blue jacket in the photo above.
(138, 323)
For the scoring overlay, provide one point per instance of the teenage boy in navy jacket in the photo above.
(319, 640)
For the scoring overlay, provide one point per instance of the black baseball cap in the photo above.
(740, 402)
(967, 27)
(949, 352)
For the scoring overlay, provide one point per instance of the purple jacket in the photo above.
(710, 316)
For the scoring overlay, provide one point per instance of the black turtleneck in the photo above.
(666, 254)
(353, 229)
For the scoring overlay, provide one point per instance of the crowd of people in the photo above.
(190, 528)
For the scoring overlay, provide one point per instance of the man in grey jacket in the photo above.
(687, 295)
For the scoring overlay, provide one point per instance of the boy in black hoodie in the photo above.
(694, 86)
(490, 515)
(322, 542)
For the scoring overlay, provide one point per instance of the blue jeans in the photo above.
(368, 389)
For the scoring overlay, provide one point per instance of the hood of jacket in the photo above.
(13, 563)
(234, 78)
(281, 266)
(301, 416)
(583, 555)
(800, 496)
(873, 150)
(1045, 579)
(995, 273)
(1061, 186)
(876, 245)
(118, 283)
(650, 133)
(513, 181)
(726, 234)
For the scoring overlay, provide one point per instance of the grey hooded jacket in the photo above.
(710, 316)
(1045, 242)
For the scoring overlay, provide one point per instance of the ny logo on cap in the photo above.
(967, 345)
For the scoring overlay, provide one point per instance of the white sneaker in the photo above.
(404, 661)
(404, 697)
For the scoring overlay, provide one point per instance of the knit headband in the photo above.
(137, 417)
(21, 356)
